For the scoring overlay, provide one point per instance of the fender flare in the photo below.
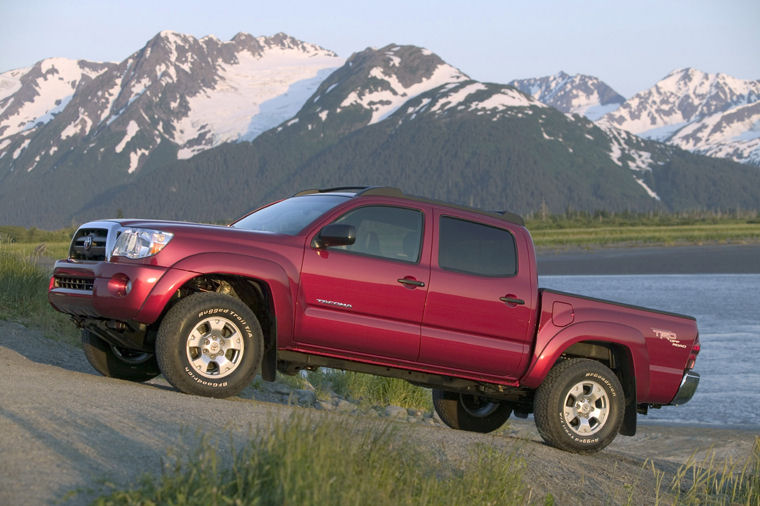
(282, 287)
(601, 332)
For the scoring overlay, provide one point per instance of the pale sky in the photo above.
(628, 44)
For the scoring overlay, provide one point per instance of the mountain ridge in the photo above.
(711, 114)
(188, 128)
(572, 94)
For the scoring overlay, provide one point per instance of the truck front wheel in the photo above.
(209, 344)
(120, 363)
(579, 406)
(470, 412)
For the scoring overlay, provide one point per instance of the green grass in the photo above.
(329, 460)
(580, 229)
(316, 461)
(39, 252)
(33, 235)
(23, 294)
(368, 389)
(713, 481)
(657, 235)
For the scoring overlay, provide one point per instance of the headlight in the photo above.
(140, 242)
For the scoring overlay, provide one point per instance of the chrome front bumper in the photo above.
(686, 390)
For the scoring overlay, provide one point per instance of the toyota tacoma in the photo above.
(373, 280)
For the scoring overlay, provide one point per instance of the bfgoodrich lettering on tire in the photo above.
(579, 406)
(209, 344)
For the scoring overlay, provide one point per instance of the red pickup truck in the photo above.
(372, 280)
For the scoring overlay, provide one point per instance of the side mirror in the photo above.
(335, 234)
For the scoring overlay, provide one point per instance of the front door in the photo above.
(367, 299)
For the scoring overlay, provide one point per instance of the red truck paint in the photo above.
(482, 337)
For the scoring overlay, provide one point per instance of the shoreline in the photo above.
(693, 259)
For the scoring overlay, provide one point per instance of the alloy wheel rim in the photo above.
(586, 408)
(215, 347)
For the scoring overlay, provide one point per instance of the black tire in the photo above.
(120, 363)
(209, 344)
(470, 412)
(580, 406)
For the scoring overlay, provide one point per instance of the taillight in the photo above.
(696, 347)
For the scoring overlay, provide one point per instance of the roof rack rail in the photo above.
(389, 191)
(358, 189)
(383, 191)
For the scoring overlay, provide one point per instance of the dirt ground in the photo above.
(65, 428)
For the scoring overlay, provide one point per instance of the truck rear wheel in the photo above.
(470, 412)
(209, 344)
(120, 363)
(579, 406)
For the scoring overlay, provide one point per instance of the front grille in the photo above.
(83, 284)
(89, 244)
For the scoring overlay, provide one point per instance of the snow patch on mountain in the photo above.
(10, 83)
(458, 96)
(251, 96)
(502, 100)
(594, 112)
(51, 84)
(734, 134)
(572, 94)
(701, 112)
(21, 148)
(385, 101)
(132, 129)
(623, 146)
(81, 126)
(134, 159)
(647, 189)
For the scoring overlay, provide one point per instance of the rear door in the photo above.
(478, 313)
(367, 299)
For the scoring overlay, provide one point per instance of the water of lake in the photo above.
(727, 309)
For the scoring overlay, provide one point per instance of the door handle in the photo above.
(512, 300)
(410, 282)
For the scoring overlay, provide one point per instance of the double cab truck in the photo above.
(372, 280)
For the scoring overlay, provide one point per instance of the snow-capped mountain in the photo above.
(32, 96)
(576, 94)
(482, 144)
(203, 129)
(372, 85)
(712, 114)
(184, 93)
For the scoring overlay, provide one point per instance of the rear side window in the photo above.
(474, 248)
(388, 232)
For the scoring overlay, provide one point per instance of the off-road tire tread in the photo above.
(546, 397)
(169, 343)
(102, 358)
(447, 406)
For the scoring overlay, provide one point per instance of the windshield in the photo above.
(290, 216)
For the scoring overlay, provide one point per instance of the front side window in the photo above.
(474, 248)
(388, 232)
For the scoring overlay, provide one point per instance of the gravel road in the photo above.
(64, 428)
